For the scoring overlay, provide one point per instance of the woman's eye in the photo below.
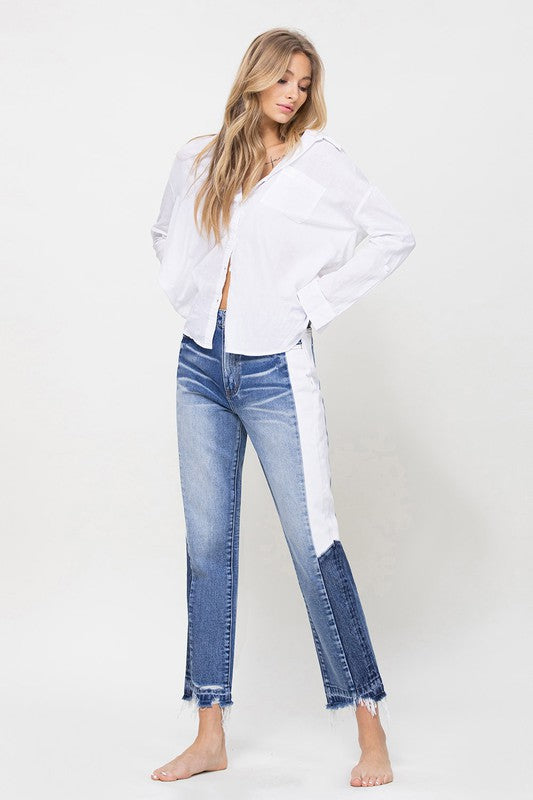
(303, 88)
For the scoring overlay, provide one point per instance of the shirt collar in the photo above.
(308, 137)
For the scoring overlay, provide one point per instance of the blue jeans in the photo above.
(221, 399)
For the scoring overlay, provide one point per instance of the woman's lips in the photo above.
(287, 109)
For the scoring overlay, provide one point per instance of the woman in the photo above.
(275, 209)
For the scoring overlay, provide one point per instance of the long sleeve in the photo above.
(173, 190)
(388, 243)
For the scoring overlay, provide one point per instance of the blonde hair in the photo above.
(237, 150)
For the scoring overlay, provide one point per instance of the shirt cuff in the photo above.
(159, 246)
(318, 309)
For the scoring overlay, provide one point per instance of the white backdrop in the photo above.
(427, 383)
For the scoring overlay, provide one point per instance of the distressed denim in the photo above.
(221, 399)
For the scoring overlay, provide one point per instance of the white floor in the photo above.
(65, 746)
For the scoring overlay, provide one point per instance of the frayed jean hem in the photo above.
(345, 705)
(197, 697)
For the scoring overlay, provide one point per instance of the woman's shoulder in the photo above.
(329, 155)
(332, 165)
(193, 146)
(315, 135)
(332, 141)
(338, 156)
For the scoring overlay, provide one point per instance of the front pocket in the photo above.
(293, 193)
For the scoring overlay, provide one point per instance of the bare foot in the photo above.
(206, 753)
(374, 767)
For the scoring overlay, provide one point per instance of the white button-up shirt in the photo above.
(312, 237)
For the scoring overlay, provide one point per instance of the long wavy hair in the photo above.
(237, 151)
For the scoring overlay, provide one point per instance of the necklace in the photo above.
(272, 160)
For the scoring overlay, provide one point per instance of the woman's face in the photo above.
(281, 101)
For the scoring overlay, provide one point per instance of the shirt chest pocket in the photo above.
(293, 193)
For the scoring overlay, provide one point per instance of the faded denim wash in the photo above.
(222, 398)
